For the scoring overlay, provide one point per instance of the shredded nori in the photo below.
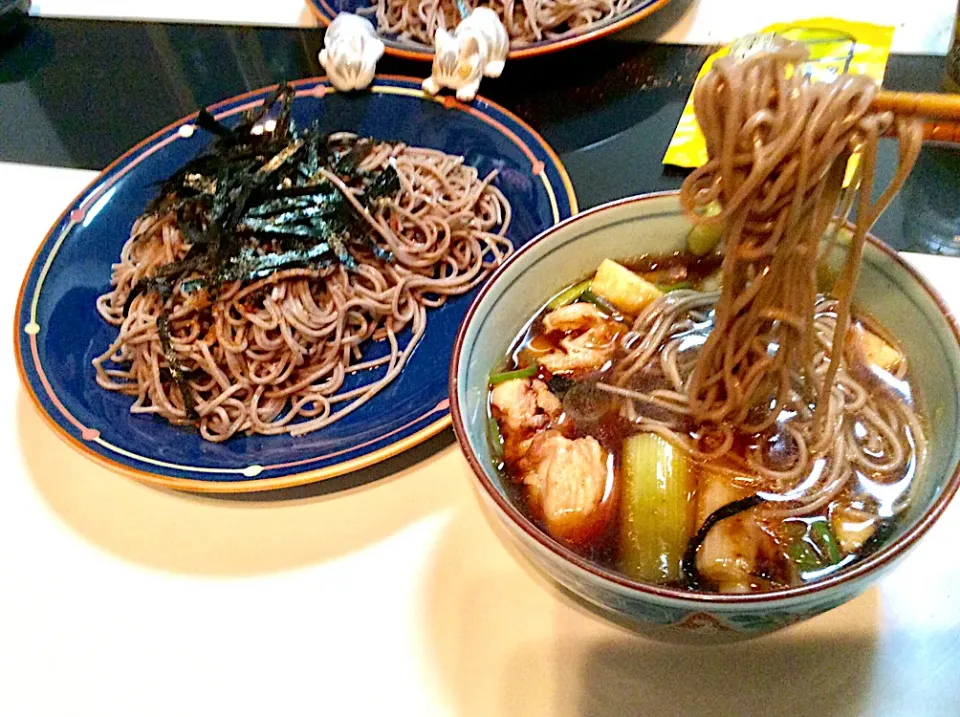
(559, 385)
(176, 370)
(689, 565)
(256, 204)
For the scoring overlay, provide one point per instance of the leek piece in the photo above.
(877, 351)
(723, 552)
(826, 278)
(568, 296)
(703, 238)
(711, 210)
(853, 527)
(656, 512)
(627, 291)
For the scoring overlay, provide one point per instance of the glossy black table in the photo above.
(78, 93)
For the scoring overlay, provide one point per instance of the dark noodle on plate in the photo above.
(256, 280)
(535, 27)
(526, 21)
(398, 152)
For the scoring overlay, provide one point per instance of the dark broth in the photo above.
(783, 551)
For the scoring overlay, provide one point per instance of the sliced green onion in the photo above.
(823, 536)
(804, 556)
(667, 288)
(598, 301)
(567, 297)
(704, 238)
(711, 210)
(527, 372)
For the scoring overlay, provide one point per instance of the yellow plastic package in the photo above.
(835, 46)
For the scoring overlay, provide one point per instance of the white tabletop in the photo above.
(922, 26)
(396, 598)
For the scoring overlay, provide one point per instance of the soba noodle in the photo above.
(766, 355)
(274, 356)
(526, 21)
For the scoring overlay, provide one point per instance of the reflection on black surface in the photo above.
(931, 199)
(80, 92)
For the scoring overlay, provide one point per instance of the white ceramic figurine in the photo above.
(350, 52)
(476, 48)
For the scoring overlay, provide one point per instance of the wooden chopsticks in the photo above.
(942, 112)
(932, 105)
(940, 131)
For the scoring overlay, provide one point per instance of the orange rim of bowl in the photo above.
(254, 485)
(884, 556)
(561, 44)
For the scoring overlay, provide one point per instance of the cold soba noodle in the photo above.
(527, 21)
(252, 289)
(777, 425)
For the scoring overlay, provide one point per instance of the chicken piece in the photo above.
(573, 317)
(569, 486)
(524, 404)
(576, 355)
(730, 554)
(591, 339)
(546, 401)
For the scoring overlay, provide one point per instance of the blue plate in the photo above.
(58, 331)
(326, 10)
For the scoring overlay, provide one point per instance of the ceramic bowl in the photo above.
(887, 289)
